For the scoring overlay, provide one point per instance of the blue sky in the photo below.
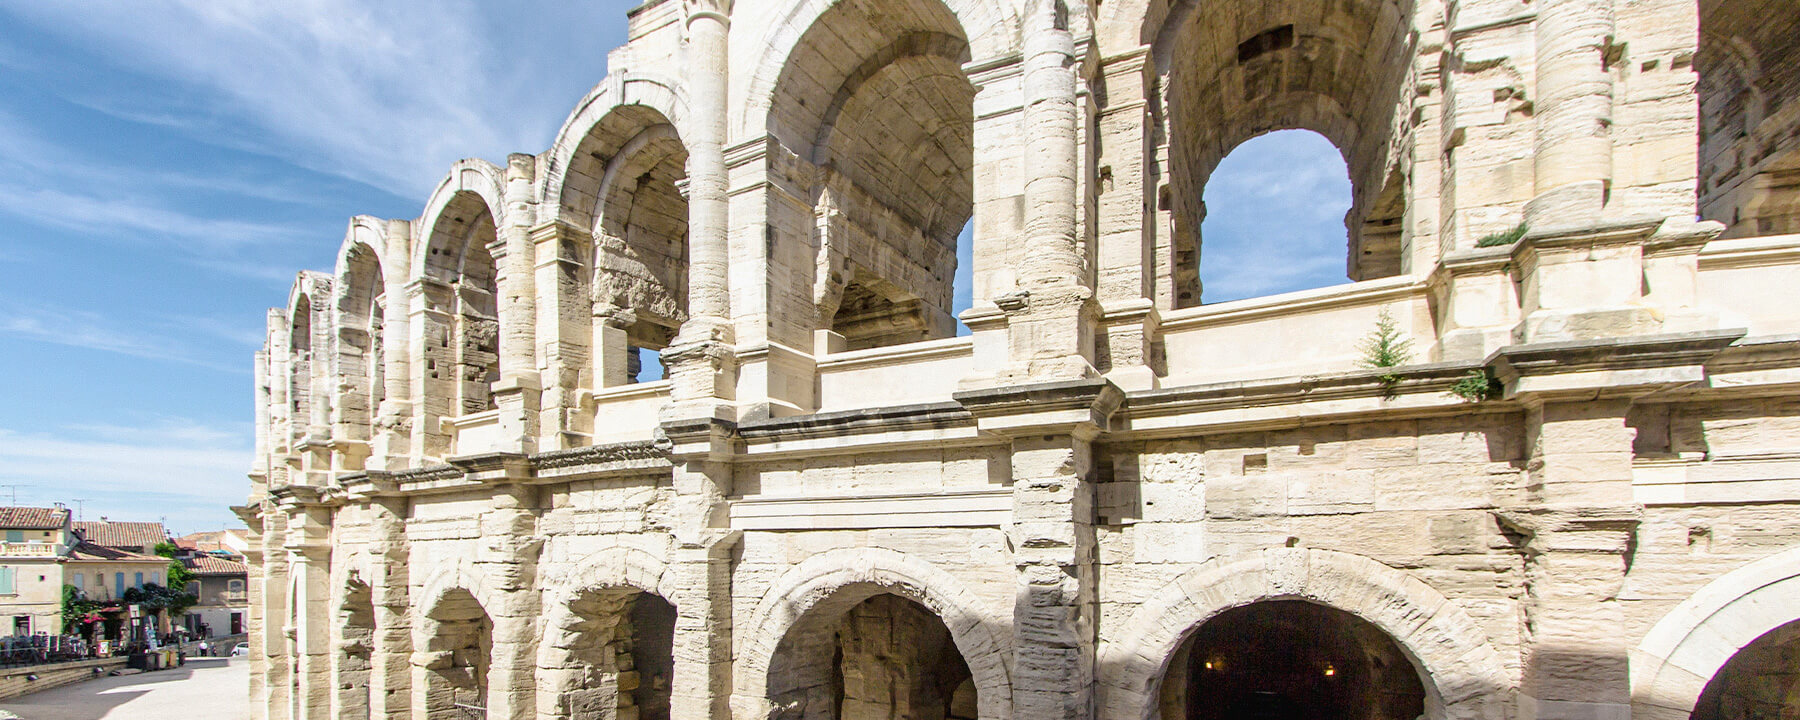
(167, 165)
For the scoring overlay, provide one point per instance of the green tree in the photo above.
(179, 574)
(77, 612)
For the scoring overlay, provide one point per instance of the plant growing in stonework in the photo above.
(1504, 237)
(1386, 347)
(1476, 386)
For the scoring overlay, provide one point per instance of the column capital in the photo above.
(698, 9)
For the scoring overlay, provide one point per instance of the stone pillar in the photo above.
(393, 418)
(701, 452)
(699, 361)
(508, 557)
(390, 671)
(268, 636)
(1052, 426)
(518, 394)
(255, 616)
(1573, 111)
(433, 365)
(563, 336)
(1050, 315)
(309, 559)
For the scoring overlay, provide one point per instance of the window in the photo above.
(193, 588)
(79, 582)
(118, 584)
(236, 586)
(21, 624)
(15, 536)
(9, 581)
(138, 580)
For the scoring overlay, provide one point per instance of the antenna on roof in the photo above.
(13, 493)
(78, 505)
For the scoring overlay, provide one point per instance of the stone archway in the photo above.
(828, 587)
(456, 656)
(1696, 640)
(1461, 674)
(354, 651)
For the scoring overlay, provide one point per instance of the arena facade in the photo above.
(1108, 499)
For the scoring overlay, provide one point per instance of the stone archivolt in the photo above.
(834, 506)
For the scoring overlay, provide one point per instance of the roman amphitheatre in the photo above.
(1108, 498)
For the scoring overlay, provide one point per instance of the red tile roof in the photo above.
(115, 534)
(90, 551)
(32, 518)
(214, 565)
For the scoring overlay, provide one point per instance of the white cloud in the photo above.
(386, 93)
(172, 468)
(93, 331)
(1275, 218)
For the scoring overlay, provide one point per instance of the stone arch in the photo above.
(307, 316)
(360, 307)
(453, 642)
(1228, 72)
(455, 255)
(591, 613)
(1748, 154)
(1692, 642)
(1458, 667)
(991, 28)
(815, 583)
(624, 91)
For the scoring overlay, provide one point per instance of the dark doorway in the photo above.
(1761, 681)
(1292, 660)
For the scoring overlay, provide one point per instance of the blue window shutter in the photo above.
(118, 584)
(7, 586)
(139, 580)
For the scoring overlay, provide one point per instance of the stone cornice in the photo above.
(1620, 367)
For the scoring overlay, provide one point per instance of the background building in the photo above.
(37, 542)
(1109, 499)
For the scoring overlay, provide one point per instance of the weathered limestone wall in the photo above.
(1578, 504)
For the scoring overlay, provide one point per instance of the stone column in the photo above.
(393, 418)
(1573, 110)
(271, 663)
(309, 559)
(433, 365)
(1052, 426)
(701, 452)
(699, 360)
(390, 671)
(255, 619)
(1050, 315)
(519, 392)
(564, 340)
(508, 557)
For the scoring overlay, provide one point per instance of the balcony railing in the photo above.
(29, 549)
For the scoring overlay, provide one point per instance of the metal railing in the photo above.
(36, 649)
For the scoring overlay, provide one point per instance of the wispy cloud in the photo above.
(385, 93)
(93, 331)
(186, 470)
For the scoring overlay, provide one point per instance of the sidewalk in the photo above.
(215, 688)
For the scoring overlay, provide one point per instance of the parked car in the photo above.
(240, 649)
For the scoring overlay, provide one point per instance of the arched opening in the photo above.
(300, 356)
(1283, 659)
(458, 656)
(614, 656)
(875, 99)
(459, 254)
(880, 657)
(1749, 86)
(361, 302)
(1275, 210)
(1762, 680)
(355, 650)
(628, 179)
(1233, 71)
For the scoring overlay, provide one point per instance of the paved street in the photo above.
(211, 688)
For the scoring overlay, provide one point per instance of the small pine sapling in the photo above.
(1386, 347)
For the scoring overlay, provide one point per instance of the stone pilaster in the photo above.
(518, 395)
(433, 366)
(255, 612)
(565, 343)
(391, 436)
(310, 617)
(701, 451)
(1573, 111)
(390, 671)
(508, 557)
(268, 638)
(1052, 426)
